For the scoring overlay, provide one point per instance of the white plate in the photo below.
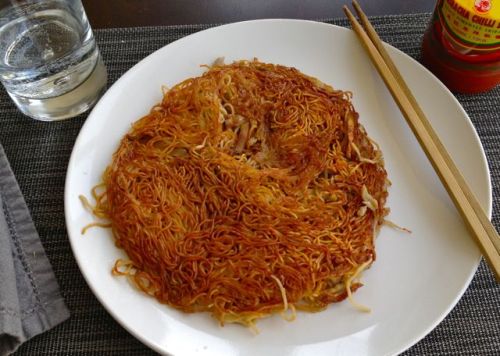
(416, 279)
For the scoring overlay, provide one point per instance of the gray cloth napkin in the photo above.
(30, 302)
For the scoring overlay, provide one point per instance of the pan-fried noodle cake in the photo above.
(247, 191)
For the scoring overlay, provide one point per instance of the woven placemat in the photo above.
(39, 153)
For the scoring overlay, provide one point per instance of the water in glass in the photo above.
(49, 62)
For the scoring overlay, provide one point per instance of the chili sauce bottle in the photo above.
(461, 45)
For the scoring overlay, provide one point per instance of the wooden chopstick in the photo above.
(372, 34)
(466, 203)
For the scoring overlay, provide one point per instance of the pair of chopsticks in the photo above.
(466, 203)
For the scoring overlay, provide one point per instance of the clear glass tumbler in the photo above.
(49, 62)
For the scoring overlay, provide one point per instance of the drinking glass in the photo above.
(49, 62)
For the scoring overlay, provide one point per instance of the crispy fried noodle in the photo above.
(247, 191)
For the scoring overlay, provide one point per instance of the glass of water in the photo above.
(49, 62)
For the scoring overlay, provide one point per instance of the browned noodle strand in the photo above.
(247, 190)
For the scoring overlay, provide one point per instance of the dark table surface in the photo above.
(134, 13)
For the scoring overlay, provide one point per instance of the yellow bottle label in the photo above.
(473, 24)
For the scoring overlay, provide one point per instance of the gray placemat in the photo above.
(39, 154)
